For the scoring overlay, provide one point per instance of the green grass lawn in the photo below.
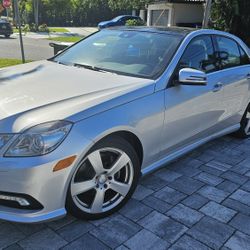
(70, 39)
(4, 62)
(15, 30)
(58, 30)
(52, 30)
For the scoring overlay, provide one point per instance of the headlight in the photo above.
(39, 140)
(4, 138)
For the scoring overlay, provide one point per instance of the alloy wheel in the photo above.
(102, 180)
(247, 128)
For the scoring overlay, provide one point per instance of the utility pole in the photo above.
(19, 28)
(207, 13)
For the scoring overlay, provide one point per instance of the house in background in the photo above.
(188, 13)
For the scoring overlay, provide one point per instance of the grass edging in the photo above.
(6, 62)
(69, 39)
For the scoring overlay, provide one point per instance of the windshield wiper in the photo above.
(90, 67)
(59, 62)
(85, 66)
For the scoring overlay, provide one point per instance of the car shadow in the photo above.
(7, 38)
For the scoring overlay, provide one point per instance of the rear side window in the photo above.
(229, 54)
(244, 57)
(199, 55)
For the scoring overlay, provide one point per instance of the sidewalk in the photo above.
(80, 31)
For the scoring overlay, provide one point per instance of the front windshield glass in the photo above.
(117, 18)
(134, 53)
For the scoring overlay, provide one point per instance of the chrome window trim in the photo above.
(164, 80)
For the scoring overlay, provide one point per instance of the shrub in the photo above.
(26, 28)
(134, 22)
(32, 27)
(232, 16)
(43, 28)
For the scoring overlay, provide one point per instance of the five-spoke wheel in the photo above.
(244, 131)
(247, 127)
(104, 180)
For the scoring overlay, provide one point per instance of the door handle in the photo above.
(217, 87)
(248, 76)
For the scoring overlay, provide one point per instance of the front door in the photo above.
(193, 112)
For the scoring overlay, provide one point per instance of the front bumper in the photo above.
(34, 176)
(38, 182)
(6, 32)
(29, 217)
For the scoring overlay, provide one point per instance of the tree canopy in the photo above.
(128, 4)
(232, 16)
(77, 12)
(229, 15)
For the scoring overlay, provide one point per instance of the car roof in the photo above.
(183, 31)
(126, 16)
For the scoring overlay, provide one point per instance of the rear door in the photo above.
(235, 74)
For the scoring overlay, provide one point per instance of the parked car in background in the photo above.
(118, 21)
(5, 28)
(77, 131)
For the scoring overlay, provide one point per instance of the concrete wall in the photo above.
(187, 13)
(178, 13)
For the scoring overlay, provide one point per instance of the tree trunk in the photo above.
(36, 12)
(207, 14)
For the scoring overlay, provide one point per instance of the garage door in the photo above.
(159, 17)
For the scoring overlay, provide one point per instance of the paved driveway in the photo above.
(82, 31)
(201, 201)
(36, 46)
(35, 49)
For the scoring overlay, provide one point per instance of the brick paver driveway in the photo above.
(201, 201)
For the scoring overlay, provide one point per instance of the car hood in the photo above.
(105, 23)
(43, 91)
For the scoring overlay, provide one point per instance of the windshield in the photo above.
(133, 53)
(117, 18)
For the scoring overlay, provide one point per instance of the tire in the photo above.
(104, 180)
(244, 131)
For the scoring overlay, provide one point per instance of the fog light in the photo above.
(21, 201)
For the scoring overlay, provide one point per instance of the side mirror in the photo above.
(188, 76)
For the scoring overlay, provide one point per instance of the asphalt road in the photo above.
(35, 49)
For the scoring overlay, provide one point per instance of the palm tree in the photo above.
(207, 13)
(36, 12)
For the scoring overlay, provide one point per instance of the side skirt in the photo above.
(187, 149)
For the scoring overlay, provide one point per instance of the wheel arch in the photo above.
(131, 138)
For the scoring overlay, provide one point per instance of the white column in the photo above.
(143, 15)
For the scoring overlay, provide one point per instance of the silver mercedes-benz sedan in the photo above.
(78, 130)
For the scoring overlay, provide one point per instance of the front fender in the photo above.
(143, 117)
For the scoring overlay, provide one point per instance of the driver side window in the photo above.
(199, 55)
(123, 21)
